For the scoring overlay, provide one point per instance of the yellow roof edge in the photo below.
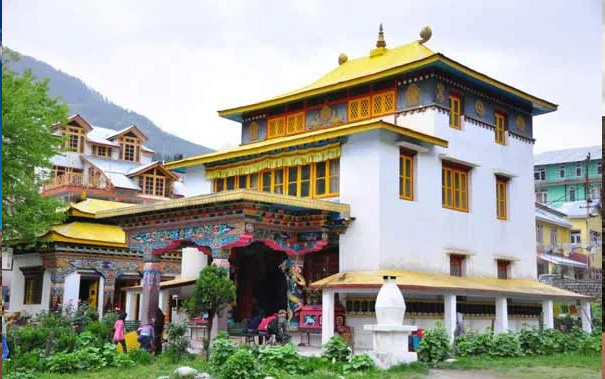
(382, 74)
(55, 236)
(245, 195)
(317, 135)
(78, 213)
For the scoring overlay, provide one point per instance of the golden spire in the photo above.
(381, 42)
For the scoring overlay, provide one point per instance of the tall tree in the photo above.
(212, 292)
(27, 146)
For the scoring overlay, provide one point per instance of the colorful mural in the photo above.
(296, 283)
(254, 130)
(326, 115)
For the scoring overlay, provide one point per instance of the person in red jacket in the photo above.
(262, 327)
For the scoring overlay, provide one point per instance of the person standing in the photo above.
(158, 328)
(146, 336)
(118, 334)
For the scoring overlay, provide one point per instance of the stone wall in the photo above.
(590, 287)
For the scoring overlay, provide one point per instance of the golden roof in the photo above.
(381, 63)
(88, 207)
(421, 281)
(229, 196)
(87, 233)
(304, 138)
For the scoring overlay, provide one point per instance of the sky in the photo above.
(179, 62)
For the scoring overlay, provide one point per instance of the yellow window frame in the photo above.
(406, 175)
(276, 127)
(359, 108)
(295, 123)
(383, 103)
(500, 128)
(455, 112)
(329, 175)
(501, 199)
(454, 188)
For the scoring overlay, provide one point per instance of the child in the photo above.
(146, 336)
(118, 334)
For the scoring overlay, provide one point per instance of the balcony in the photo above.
(567, 249)
(75, 179)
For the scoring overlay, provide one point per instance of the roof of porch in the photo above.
(285, 201)
(430, 282)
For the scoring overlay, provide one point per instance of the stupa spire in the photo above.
(381, 42)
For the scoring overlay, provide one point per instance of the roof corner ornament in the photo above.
(425, 34)
(342, 58)
(381, 42)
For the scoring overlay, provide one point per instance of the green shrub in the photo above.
(505, 345)
(139, 356)
(280, 359)
(177, 341)
(592, 344)
(532, 341)
(474, 344)
(27, 360)
(241, 365)
(361, 362)
(100, 330)
(222, 349)
(336, 350)
(20, 374)
(435, 346)
(88, 358)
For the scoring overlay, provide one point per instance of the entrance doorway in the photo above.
(89, 291)
(259, 280)
(120, 296)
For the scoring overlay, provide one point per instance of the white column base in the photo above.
(390, 345)
(548, 315)
(501, 324)
(327, 315)
(586, 316)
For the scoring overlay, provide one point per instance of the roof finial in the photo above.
(425, 34)
(381, 42)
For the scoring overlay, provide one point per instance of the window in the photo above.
(576, 237)
(553, 236)
(242, 182)
(542, 197)
(383, 103)
(456, 265)
(359, 109)
(455, 114)
(572, 193)
(33, 284)
(334, 176)
(600, 167)
(562, 171)
(500, 129)
(75, 139)
(154, 183)
(503, 269)
(406, 174)
(578, 169)
(454, 187)
(540, 174)
(101, 151)
(539, 233)
(295, 123)
(276, 127)
(597, 191)
(131, 149)
(501, 196)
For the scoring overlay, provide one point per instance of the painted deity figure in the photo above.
(296, 283)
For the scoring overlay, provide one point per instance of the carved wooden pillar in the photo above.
(151, 286)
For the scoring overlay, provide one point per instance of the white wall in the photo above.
(18, 285)
(192, 262)
(417, 235)
(195, 181)
(71, 290)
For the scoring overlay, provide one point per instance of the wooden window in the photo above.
(334, 176)
(455, 112)
(383, 103)
(293, 181)
(406, 174)
(101, 151)
(276, 127)
(219, 185)
(149, 185)
(503, 269)
(359, 109)
(321, 174)
(454, 187)
(75, 138)
(242, 181)
(253, 182)
(159, 186)
(131, 149)
(326, 178)
(500, 129)
(305, 180)
(457, 265)
(266, 176)
(295, 123)
(230, 183)
(33, 284)
(501, 198)
(154, 183)
(278, 181)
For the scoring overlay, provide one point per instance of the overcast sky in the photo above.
(178, 62)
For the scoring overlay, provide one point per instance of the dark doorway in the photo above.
(119, 296)
(260, 282)
(89, 291)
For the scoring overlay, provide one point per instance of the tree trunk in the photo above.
(209, 334)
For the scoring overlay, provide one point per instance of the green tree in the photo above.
(212, 292)
(27, 146)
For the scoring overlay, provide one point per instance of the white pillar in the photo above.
(192, 262)
(327, 315)
(131, 298)
(501, 324)
(449, 303)
(586, 316)
(71, 291)
(164, 302)
(100, 296)
(548, 315)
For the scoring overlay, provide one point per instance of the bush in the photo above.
(88, 358)
(280, 359)
(361, 362)
(177, 341)
(222, 349)
(241, 365)
(532, 341)
(21, 374)
(474, 344)
(100, 330)
(592, 344)
(337, 350)
(139, 356)
(505, 345)
(435, 346)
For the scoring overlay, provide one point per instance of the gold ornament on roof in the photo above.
(253, 131)
(342, 58)
(412, 95)
(479, 108)
(520, 121)
(425, 34)
(381, 42)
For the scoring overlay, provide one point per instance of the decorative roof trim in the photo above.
(132, 128)
(301, 139)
